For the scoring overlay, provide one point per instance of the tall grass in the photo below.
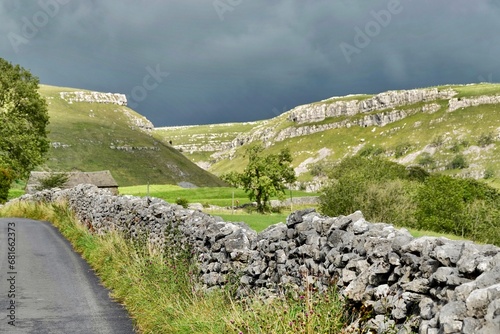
(162, 294)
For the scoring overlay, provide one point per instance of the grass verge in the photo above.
(160, 290)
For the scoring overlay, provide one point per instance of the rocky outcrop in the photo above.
(455, 104)
(317, 112)
(430, 285)
(135, 121)
(94, 97)
(138, 122)
(330, 108)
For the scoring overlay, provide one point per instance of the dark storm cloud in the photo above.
(194, 61)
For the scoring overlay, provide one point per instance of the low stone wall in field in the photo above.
(433, 284)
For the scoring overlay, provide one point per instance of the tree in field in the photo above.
(266, 175)
(23, 121)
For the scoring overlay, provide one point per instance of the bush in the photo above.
(440, 204)
(369, 150)
(481, 222)
(486, 139)
(489, 173)
(417, 173)
(464, 207)
(389, 202)
(425, 159)
(437, 141)
(5, 182)
(182, 202)
(320, 169)
(465, 143)
(401, 149)
(351, 179)
(455, 147)
(458, 162)
(53, 180)
(387, 192)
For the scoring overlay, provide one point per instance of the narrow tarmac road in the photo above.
(45, 287)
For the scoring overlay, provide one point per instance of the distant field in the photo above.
(256, 221)
(260, 222)
(15, 193)
(221, 196)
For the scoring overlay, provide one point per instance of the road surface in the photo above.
(45, 287)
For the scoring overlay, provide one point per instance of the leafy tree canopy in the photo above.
(23, 121)
(265, 175)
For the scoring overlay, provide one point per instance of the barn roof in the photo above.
(101, 179)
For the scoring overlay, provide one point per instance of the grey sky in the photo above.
(243, 60)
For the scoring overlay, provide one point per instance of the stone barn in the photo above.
(102, 179)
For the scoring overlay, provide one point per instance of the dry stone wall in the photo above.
(430, 285)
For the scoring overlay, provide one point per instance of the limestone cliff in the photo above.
(307, 129)
(94, 97)
(331, 108)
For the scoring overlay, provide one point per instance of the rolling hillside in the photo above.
(429, 126)
(92, 131)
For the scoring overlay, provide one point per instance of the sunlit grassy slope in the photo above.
(84, 134)
(459, 131)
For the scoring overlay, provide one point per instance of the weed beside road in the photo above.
(162, 294)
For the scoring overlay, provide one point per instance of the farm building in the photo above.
(102, 179)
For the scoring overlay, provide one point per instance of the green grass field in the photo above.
(220, 196)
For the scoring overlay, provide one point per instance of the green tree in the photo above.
(23, 121)
(232, 178)
(266, 175)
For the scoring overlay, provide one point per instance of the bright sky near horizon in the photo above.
(210, 61)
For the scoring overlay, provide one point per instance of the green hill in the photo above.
(429, 126)
(92, 131)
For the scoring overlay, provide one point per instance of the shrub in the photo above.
(182, 202)
(53, 180)
(351, 179)
(465, 142)
(425, 159)
(320, 169)
(439, 204)
(5, 182)
(369, 150)
(437, 141)
(464, 207)
(486, 139)
(489, 173)
(481, 222)
(389, 202)
(458, 162)
(401, 149)
(417, 173)
(455, 147)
